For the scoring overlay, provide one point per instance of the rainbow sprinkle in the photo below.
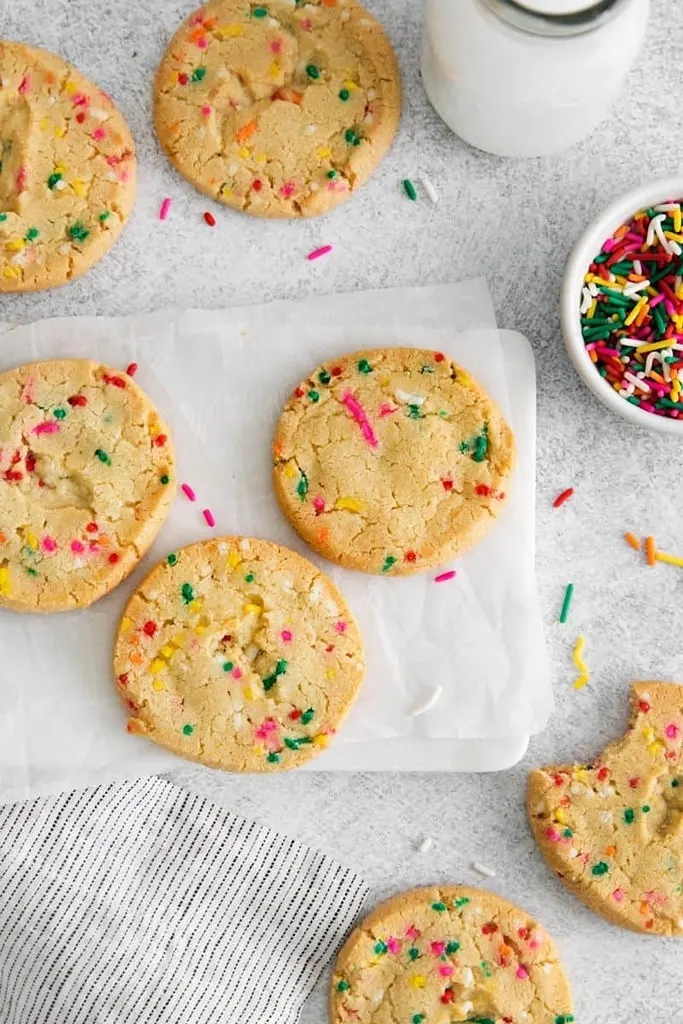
(632, 310)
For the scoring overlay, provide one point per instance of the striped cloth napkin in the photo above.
(144, 904)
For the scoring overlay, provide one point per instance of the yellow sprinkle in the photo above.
(234, 559)
(348, 84)
(384, 382)
(581, 775)
(244, 152)
(60, 168)
(635, 313)
(71, 88)
(258, 749)
(79, 188)
(227, 192)
(674, 236)
(320, 741)
(126, 622)
(261, 158)
(44, 124)
(677, 219)
(290, 470)
(176, 640)
(648, 734)
(199, 630)
(166, 651)
(4, 580)
(331, 674)
(31, 540)
(229, 31)
(580, 664)
(248, 693)
(59, 133)
(669, 559)
(274, 69)
(248, 609)
(593, 307)
(665, 343)
(561, 817)
(324, 152)
(157, 666)
(656, 748)
(352, 504)
(418, 981)
(11, 272)
(15, 244)
(158, 685)
(196, 605)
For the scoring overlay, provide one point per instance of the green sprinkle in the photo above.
(344, 95)
(3, 218)
(198, 74)
(417, 1018)
(331, 174)
(599, 869)
(324, 377)
(564, 1018)
(380, 948)
(281, 667)
(486, 968)
(388, 562)
(53, 179)
(105, 215)
(426, 369)
(273, 758)
(480, 1020)
(164, 479)
(443, 413)
(314, 396)
(187, 592)
(414, 953)
(32, 572)
(172, 558)
(414, 412)
(78, 232)
(249, 578)
(352, 137)
(364, 366)
(307, 716)
(260, 12)
(103, 457)
(567, 833)
(31, 235)
(228, 666)
(293, 743)
(312, 71)
(302, 486)
(566, 603)
(646, 808)
(343, 986)
(462, 902)
(675, 783)
(439, 907)
(188, 730)
(481, 445)
(268, 684)
(452, 947)
(59, 414)
(629, 816)
(410, 189)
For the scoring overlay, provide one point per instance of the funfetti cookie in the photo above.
(238, 653)
(279, 109)
(67, 170)
(613, 830)
(444, 954)
(87, 477)
(392, 461)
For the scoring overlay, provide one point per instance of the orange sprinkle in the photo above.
(210, 23)
(631, 539)
(657, 376)
(246, 131)
(196, 34)
(3, 538)
(323, 535)
(594, 355)
(329, 3)
(610, 851)
(644, 907)
(288, 95)
(136, 658)
(620, 232)
(650, 550)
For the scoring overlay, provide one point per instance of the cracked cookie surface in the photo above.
(391, 460)
(67, 170)
(279, 109)
(240, 654)
(87, 477)
(613, 831)
(448, 953)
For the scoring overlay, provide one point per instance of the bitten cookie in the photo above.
(391, 461)
(280, 109)
(436, 955)
(87, 477)
(613, 831)
(67, 170)
(240, 654)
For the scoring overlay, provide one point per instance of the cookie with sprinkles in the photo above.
(392, 461)
(240, 654)
(87, 477)
(279, 109)
(613, 830)
(67, 170)
(449, 953)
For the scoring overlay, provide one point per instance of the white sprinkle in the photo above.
(310, 128)
(638, 266)
(576, 788)
(667, 207)
(652, 227)
(222, 73)
(482, 869)
(98, 113)
(572, 852)
(587, 297)
(408, 398)
(331, 608)
(547, 968)
(651, 358)
(675, 247)
(233, 169)
(316, 593)
(429, 189)
(426, 844)
(635, 381)
(633, 287)
(593, 289)
(314, 186)
(606, 817)
(466, 1008)
(110, 176)
(372, 95)
(666, 370)
(64, 249)
(245, 545)
(612, 278)
(467, 977)
(237, 721)
(59, 185)
(428, 704)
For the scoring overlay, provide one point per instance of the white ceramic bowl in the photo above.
(588, 246)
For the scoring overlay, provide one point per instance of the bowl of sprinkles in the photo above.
(622, 306)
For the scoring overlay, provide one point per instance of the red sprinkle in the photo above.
(445, 576)
(132, 369)
(210, 219)
(490, 929)
(91, 528)
(295, 714)
(123, 679)
(439, 357)
(30, 462)
(113, 558)
(77, 400)
(149, 628)
(603, 773)
(643, 706)
(183, 78)
(483, 490)
(564, 496)
(209, 517)
(448, 996)
(634, 782)
(410, 556)
(117, 382)
(160, 440)
(299, 393)
(447, 484)
(336, 371)
(80, 116)
(257, 185)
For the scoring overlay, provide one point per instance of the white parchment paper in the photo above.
(220, 379)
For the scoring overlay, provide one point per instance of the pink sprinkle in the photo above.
(288, 189)
(286, 636)
(306, 24)
(552, 834)
(276, 46)
(99, 133)
(647, 406)
(209, 516)
(387, 410)
(206, 110)
(22, 174)
(49, 544)
(358, 413)
(438, 948)
(27, 393)
(618, 895)
(266, 727)
(340, 627)
(49, 427)
(443, 577)
(394, 946)
(123, 176)
(412, 932)
(93, 546)
(322, 251)
(534, 941)
(77, 547)
(669, 307)
(237, 673)
(445, 970)
(25, 84)
(319, 505)
(188, 492)
(80, 100)
(164, 208)
(202, 42)
(522, 973)
(671, 731)
(608, 245)
(657, 299)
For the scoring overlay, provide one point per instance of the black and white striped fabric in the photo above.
(144, 904)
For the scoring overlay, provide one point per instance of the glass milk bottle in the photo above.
(523, 79)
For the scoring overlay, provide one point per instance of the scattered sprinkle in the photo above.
(410, 189)
(566, 603)
(188, 730)
(482, 869)
(428, 704)
(188, 492)
(429, 189)
(579, 662)
(443, 577)
(632, 540)
(209, 219)
(425, 845)
(389, 561)
(358, 413)
(564, 496)
(103, 457)
(209, 517)
(317, 253)
(131, 369)
(650, 550)
(669, 559)
(164, 208)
